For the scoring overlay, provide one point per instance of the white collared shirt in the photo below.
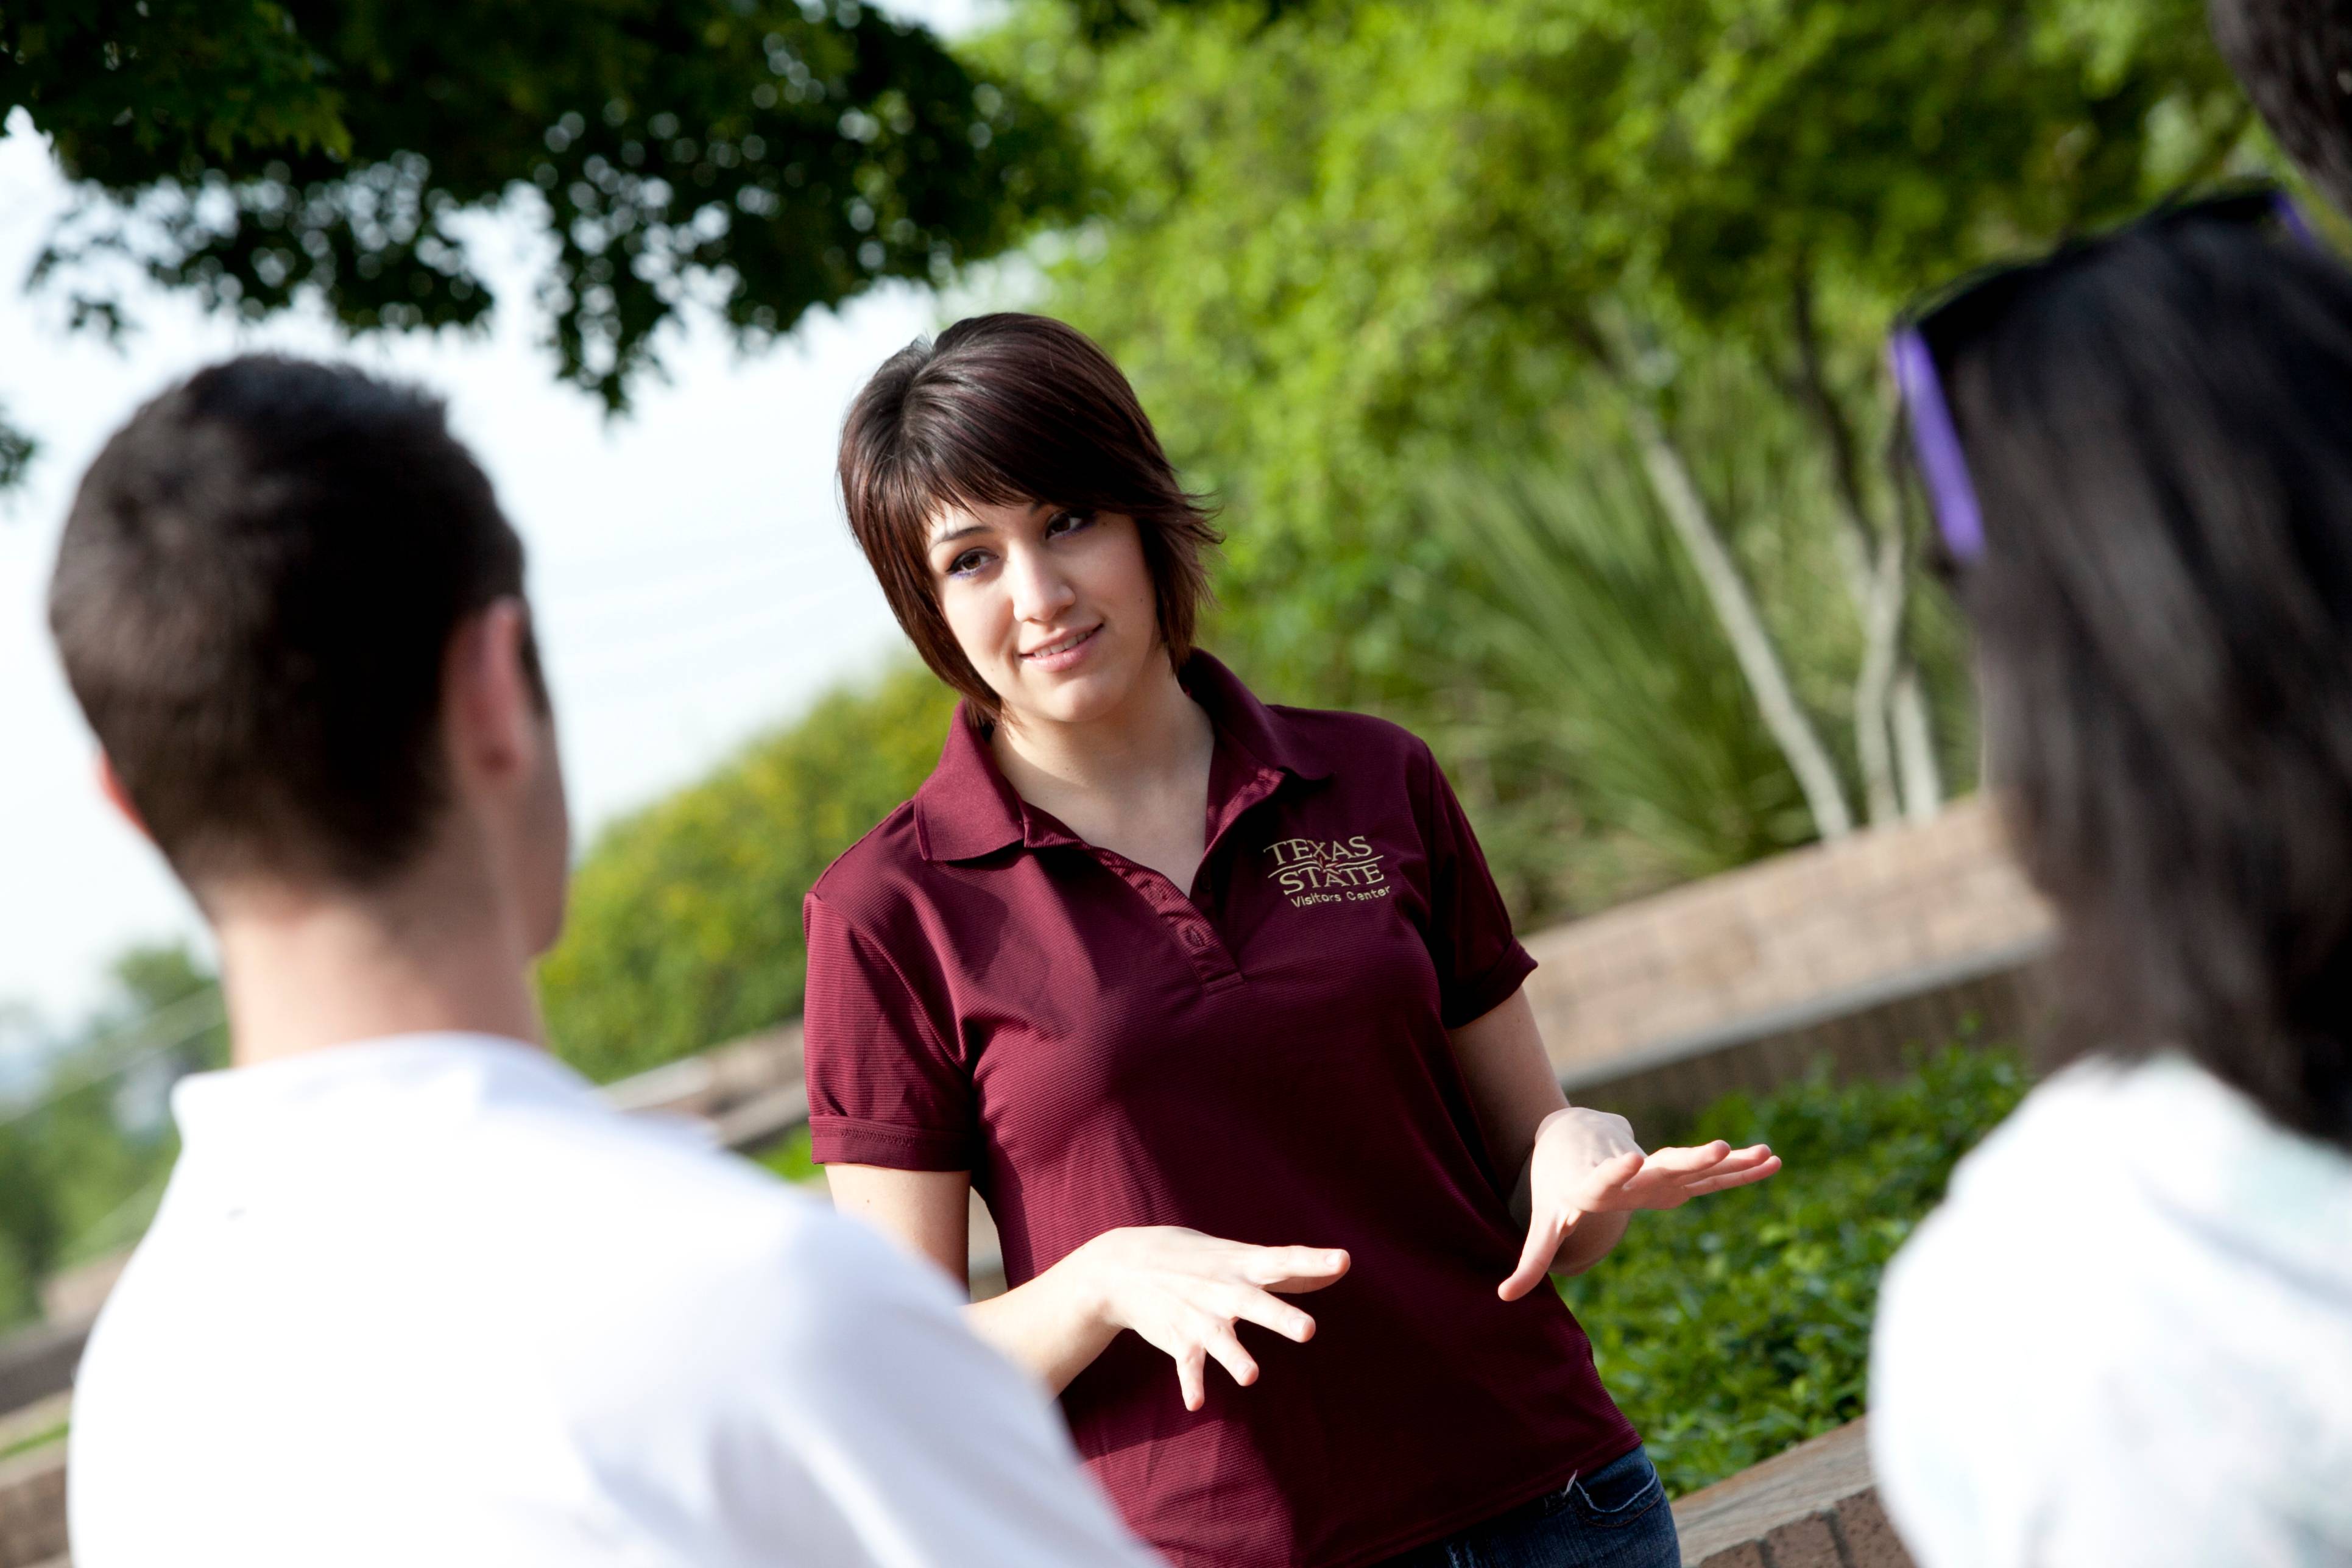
(2126, 1338)
(427, 1299)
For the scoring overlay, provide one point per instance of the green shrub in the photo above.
(1738, 1325)
(793, 1158)
(685, 928)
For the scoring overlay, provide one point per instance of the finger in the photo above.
(1697, 1157)
(1746, 1159)
(1227, 1347)
(1740, 1160)
(1268, 1312)
(1294, 1270)
(1544, 1234)
(1731, 1179)
(1191, 1376)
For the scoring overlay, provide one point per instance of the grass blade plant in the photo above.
(1590, 618)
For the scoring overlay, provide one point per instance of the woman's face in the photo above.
(1054, 607)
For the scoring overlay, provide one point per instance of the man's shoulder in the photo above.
(620, 1187)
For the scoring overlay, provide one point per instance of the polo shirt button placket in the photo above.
(1210, 959)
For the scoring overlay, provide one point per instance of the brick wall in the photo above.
(1812, 1507)
(1819, 933)
(33, 1508)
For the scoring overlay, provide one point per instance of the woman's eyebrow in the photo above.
(965, 531)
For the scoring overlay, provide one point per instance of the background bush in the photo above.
(685, 928)
(1738, 1325)
(86, 1147)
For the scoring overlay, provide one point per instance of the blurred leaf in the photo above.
(17, 451)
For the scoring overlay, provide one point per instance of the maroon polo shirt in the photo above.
(1262, 1056)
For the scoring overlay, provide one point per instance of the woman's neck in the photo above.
(1156, 740)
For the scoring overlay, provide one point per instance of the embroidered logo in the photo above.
(1327, 871)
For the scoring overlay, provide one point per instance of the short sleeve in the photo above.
(885, 1088)
(1479, 962)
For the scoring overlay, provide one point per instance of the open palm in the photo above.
(1587, 1162)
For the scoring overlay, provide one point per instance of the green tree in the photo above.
(29, 1226)
(85, 1154)
(685, 928)
(750, 159)
(1342, 246)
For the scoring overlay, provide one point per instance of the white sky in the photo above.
(694, 579)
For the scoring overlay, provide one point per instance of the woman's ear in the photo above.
(110, 785)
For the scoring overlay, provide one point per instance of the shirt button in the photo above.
(1195, 937)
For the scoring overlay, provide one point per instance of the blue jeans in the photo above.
(1616, 1517)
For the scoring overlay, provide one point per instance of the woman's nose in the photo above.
(1040, 592)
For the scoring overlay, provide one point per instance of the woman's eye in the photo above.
(967, 562)
(1068, 522)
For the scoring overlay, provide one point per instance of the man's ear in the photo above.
(110, 785)
(493, 701)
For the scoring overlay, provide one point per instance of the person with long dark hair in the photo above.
(1216, 1005)
(2126, 1338)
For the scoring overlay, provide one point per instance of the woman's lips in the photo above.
(1065, 652)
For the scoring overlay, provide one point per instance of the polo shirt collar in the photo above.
(966, 809)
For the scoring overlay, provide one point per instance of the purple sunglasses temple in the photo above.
(1950, 496)
(1942, 464)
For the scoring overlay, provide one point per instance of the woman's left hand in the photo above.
(1586, 1163)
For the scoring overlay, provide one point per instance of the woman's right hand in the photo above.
(1186, 1292)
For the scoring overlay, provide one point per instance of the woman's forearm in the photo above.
(1054, 1325)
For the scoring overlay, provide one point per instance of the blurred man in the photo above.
(2294, 57)
(415, 1295)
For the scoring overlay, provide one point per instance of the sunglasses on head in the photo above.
(1964, 309)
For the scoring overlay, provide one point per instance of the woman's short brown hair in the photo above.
(1002, 410)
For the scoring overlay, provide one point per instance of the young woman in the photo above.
(2127, 1335)
(1217, 1007)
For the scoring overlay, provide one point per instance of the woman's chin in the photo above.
(1078, 698)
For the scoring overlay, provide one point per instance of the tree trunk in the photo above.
(1887, 695)
(1734, 608)
(1914, 748)
(1882, 635)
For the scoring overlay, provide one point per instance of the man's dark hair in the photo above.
(2160, 432)
(2294, 57)
(254, 598)
(1011, 409)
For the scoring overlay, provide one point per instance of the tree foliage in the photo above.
(1341, 246)
(1333, 236)
(753, 158)
(685, 928)
(17, 451)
